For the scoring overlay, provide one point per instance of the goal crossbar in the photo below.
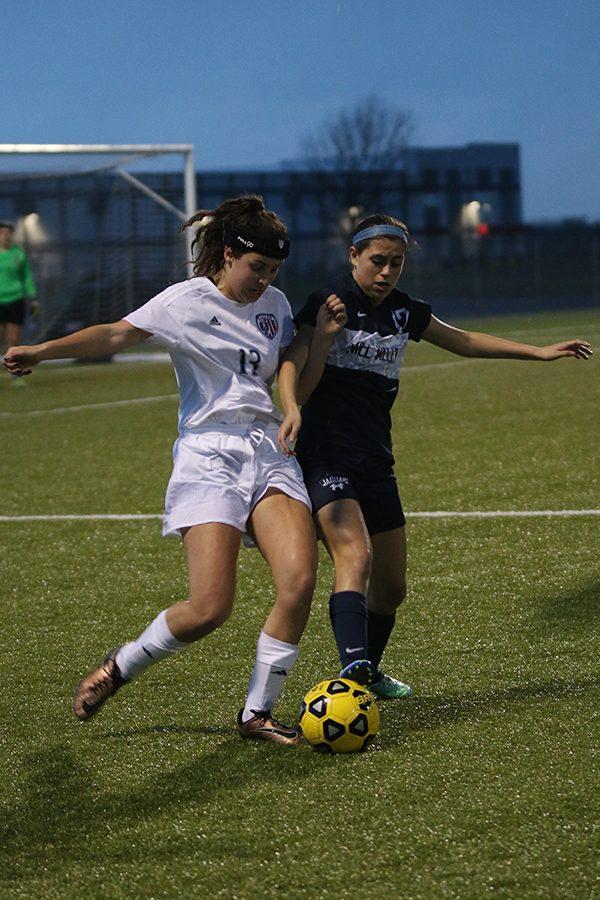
(138, 151)
(97, 148)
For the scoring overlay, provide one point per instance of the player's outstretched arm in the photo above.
(99, 340)
(488, 346)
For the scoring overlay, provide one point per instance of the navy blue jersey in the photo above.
(348, 413)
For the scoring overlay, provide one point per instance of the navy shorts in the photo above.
(13, 312)
(376, 491)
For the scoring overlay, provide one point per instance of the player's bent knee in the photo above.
(354, 562)
(304, 584)
(389, 601)
(297, 583)
(297, 600)
(396, 595)
(205, 620)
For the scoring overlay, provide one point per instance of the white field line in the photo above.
(437, 514)
(502, 513)
(535, 332)
(119, 358)
(443, 365)
(85, 406)
(137, 400)
(113, 517)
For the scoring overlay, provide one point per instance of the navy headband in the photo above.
(265, 243)
(380, 231)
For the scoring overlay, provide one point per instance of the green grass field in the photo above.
(482, 785)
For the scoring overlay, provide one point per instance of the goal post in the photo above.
(100, 224)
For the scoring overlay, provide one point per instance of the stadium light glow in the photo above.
(470, 215)
(30, 229)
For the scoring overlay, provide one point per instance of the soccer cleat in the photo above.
(387, 688)
(95, 689)
(361, 670)
(263, 727)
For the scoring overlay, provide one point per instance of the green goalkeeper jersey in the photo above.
(16, 279)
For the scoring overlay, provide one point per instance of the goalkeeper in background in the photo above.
(17, 289)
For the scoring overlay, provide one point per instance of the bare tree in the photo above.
(370, 137)
(351, 157)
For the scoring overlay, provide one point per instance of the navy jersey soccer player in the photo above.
(345, 446)
(347, 358)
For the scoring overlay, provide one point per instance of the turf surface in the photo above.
(483, 784)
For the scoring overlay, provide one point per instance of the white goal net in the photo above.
(100, 224)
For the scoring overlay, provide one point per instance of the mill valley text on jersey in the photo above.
(349, 411)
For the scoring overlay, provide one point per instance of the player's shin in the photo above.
(274, 660)
(155, 643)
(380, 628)
(348, 616)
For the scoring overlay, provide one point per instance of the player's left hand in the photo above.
(577, 348)
(20, 360)
(331, 317)
(288, 432)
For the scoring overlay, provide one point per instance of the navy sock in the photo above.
(348, 614)
(379, 630)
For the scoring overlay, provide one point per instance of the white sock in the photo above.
(274, 659)
(153, 644)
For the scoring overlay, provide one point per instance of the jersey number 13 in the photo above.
(249, 361)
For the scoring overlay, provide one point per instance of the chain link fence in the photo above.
(99, 248)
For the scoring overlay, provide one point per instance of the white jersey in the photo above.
(225, 353)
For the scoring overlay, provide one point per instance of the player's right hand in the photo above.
(20, 360)
(332, 316)
(288, 432)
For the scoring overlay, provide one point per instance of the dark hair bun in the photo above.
(212, 226)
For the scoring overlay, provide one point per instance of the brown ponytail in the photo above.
(212, 225)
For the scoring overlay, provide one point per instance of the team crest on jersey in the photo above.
(268, 324)
(400, 317)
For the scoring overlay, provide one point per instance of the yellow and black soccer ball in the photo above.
(339, 716)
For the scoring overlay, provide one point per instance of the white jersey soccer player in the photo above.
(223, 352)
(220, 349)
(225, 331)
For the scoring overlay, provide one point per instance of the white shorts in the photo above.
(220, 475)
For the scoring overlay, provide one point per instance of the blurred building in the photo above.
(100, 246)
(432, 188)
(450, 197)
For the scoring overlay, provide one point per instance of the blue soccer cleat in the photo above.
(386, 688)
(361, 670)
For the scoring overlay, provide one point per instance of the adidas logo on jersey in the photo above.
(214, 321)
